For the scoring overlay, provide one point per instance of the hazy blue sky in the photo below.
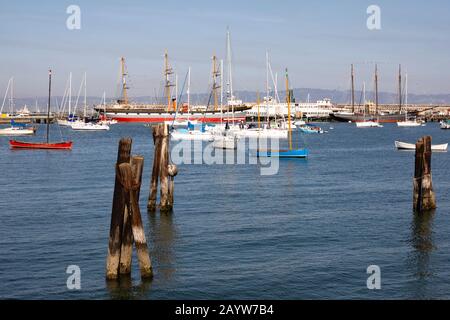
(317, 40)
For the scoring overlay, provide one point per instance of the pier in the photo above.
(32, 118)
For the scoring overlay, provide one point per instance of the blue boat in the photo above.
(298, 153)
(290, 153)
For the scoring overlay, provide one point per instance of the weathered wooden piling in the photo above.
(115, 231)
(424, 198)
(157, 134)
(126, 223)
(132, 178)
(165, 205)
(163, 171)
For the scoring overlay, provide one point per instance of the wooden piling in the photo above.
(118, 206)
(136, 220)
(424, 198)
(131, 180)
(157, 135)
(163, 171)
(165, 205)
(126, 251)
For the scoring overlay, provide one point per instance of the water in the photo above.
(308, 232)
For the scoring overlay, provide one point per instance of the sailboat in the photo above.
(191, 132)
(64, 145)
(70, 119)
(82, 125)
(369, 123)
(223, 139)
(103, 118)
(267, 131)
(291, 152)
(409, 122)
(17, 129)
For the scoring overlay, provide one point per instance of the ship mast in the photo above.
(49, 98)
(400, 88)
(230, 76)
(288, 97)
(123, 72)
(167, 72)
(189, 93)
(267, 89)
(376, 89)
(353, 90)
(215, 85)
(221, 91)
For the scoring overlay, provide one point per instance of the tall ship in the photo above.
(371, 111)
(233, 110)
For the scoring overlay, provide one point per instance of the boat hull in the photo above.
(21, 132)
(299, 153)
(410, 146)
(162, 117)
(368, 124)
(67, 145)
(382, 118)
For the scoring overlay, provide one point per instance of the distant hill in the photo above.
(300, 94)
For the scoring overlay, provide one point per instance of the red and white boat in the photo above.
(150, 116)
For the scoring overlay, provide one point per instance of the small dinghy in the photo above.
(410, 146)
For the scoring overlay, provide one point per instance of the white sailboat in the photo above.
(81, 125)
(280, 130)
(67, 94)
(16, 129)
(103, 119)
(188, 133)
(409, 122)
(367, 123)
(223, 137)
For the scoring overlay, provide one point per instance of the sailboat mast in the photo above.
(406, 96)
(230, 75)
(364, 93)
(6, 94)
(189, 92)
(85, 96)
(376, 89)
(175, 104)
(406, 90)
(70, 93)
(353, 90)
(400, 88)
(49, 98)
(257, 103)
(221, 91)
(267, 89)
(11, 97)
(364, 98)
(288, 97)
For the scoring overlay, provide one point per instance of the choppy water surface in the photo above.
(309, 231)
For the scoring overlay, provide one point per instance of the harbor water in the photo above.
(310, 231)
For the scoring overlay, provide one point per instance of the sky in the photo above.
(316, 40)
